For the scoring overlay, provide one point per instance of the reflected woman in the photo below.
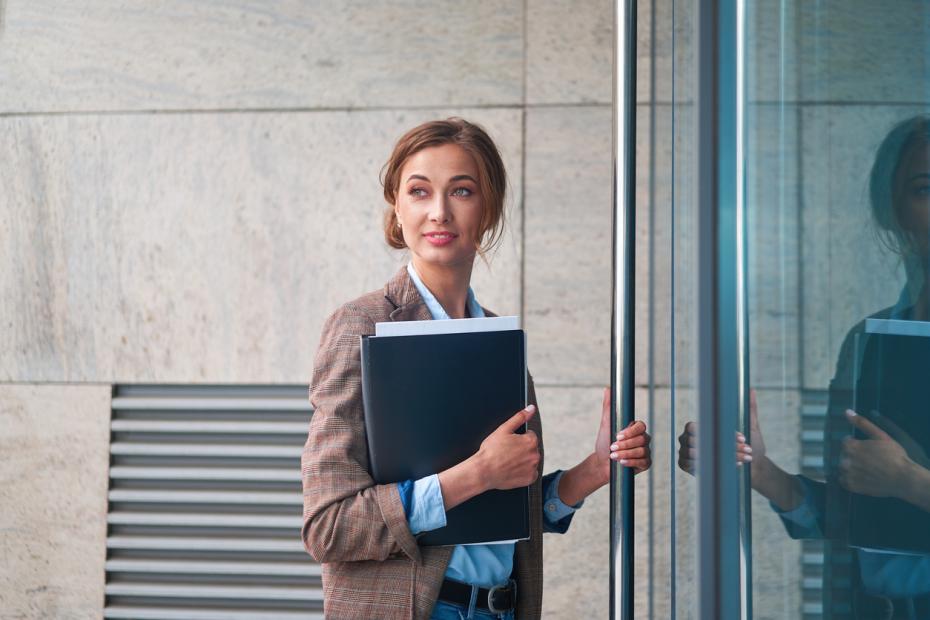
(444, 184)
(884, 461)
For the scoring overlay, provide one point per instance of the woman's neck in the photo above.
(448, 283)
(922, 305)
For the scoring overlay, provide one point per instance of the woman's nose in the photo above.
(440, 212)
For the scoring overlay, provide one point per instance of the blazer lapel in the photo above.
(404, 296)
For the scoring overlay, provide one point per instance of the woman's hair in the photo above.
(883, 190)
(492, 178)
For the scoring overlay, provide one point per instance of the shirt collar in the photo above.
(475, 310)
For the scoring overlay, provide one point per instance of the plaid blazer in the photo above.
(372, 565)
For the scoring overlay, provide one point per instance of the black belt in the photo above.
(498, 599)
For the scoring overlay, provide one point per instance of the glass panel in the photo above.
(837, 174)
(683, 318)
(665, 533)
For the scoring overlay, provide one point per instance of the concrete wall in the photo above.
(53, 490)
(190, 189)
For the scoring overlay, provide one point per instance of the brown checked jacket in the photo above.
(372, 565)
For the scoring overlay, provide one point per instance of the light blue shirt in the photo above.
(484, 565)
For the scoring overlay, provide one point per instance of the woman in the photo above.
(444, 184)
(886, 462)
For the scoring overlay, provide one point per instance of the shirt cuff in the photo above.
(427, 510)
(803, 518)
(554, 508)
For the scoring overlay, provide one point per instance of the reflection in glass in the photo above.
(874, 505)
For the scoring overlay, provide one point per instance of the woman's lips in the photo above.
(439, 239)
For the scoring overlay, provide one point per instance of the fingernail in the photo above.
(740, 435)
(613, 447)
(531, 408)
(623, 461)
(850, 413)
(747, 458)
(613, 455)
(620, 435)
(747, 449)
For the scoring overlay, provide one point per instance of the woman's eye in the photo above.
(461, 191)
(417, 192)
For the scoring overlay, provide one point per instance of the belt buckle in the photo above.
(512, 588)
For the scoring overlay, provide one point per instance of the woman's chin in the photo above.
(444, 257)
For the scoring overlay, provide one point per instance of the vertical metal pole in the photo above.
(621, 350)
(742, 314)
(719, 353)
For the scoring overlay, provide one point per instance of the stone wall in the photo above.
(191, 188)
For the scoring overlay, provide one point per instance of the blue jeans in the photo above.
(449, 611)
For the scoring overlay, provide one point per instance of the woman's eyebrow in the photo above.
(463, 177)
(919, 175)
(417, 176)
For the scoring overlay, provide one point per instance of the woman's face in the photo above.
(913, 185)
(439, 205)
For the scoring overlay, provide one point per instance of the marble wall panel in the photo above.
(776, 558)
(53, 490)
(203, 248)
(568, 246)
(847, 273)
(578, 562)
(683, 523)
(218, 55)
(569, 49)
(773, 212)
(654, 524)
(863, 51)
(772, 64)
(654, 222)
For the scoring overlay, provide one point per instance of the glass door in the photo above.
(780, 281)
(837, 196)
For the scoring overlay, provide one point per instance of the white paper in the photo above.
(494, 542)
(896, 327)
(447, 326)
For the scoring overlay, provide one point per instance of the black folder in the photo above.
(893, 387)
(429, 401)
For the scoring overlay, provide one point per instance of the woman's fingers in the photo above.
(632, 453)
(635, 442)
(638, 465)
(637, 427)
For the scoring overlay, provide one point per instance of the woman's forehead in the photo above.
(448, 159)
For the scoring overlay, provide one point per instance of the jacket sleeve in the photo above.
(347, 517)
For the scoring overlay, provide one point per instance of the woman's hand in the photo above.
(767, 478)
(507, 460)
(631, 447)
(687, 441)
(876, 466)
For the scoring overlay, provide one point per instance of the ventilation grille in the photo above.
(813, 418)
(205, 505)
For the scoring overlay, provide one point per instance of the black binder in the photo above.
(893, 387)
(430, 400)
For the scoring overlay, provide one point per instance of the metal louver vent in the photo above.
(205, 505)
(813, 418)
